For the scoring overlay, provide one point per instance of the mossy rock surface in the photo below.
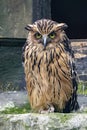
(33, 121)
(17, 109)
(16, 114)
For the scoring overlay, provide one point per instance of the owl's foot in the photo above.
(49, 110)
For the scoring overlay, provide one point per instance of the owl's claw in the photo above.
(49, 110)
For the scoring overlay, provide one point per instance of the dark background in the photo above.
(74, 14)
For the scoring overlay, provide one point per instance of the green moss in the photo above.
(82, 88)
(17, 110)
(63, 117)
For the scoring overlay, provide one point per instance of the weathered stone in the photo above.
(80, 49)
(12, 99)
(41, 9)
(14, 15)
(32, 121)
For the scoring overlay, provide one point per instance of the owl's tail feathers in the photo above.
(72, 104)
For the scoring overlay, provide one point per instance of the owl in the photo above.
(49, 68)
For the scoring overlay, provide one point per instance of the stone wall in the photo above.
(14, 15)
(80, 50)
(41, 9)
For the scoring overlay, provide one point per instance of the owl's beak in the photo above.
(45, 40)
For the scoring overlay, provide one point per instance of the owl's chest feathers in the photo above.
(48, 65)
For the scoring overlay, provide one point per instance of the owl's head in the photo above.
(46, 32)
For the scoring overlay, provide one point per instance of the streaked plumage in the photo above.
(49, 68)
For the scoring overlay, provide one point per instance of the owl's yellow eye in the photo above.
(52, 35)
(38, 35)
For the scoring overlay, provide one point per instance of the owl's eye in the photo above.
(38, 35)
(52, 35)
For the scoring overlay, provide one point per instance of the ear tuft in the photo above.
(62, 26)
(28, 27)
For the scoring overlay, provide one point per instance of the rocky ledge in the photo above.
(32, 121)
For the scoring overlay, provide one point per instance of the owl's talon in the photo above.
(50, 110)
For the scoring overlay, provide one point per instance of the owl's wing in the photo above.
(72, 103)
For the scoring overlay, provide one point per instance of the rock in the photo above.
(11, 99)
(32, 121)
(80, 50)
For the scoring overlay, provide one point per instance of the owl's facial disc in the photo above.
(48, 38)
(45, 40)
